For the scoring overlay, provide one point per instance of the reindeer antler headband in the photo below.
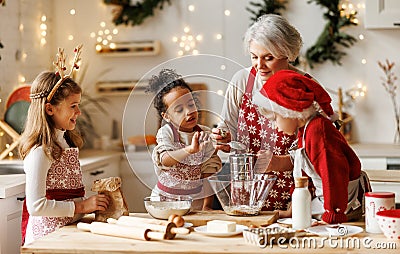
(60, 69)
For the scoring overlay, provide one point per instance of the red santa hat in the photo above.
(293, 95)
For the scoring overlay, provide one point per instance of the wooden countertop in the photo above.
(71, 240)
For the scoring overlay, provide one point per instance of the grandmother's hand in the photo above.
(221, 136)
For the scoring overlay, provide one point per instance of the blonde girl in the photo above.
(49, 147)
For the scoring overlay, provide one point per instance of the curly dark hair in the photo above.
(162, 84)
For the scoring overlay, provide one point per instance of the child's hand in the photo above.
(199, 141)
(206, 208)
(98, 202)
(287, 213)
(284, 214)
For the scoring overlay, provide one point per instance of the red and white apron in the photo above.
(64, 183)
(184, 178)
(258, 133)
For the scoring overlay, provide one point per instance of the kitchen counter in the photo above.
(13, 184)
(383, 175)
(89, 157)
(71, 240)
(376, 150)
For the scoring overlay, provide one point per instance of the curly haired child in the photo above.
(184, 154)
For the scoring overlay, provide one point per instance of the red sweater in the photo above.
(334, 161)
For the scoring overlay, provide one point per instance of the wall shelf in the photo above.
(131, 48)
(121, 88)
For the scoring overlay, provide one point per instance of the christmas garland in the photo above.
(269, 6)
(126, 13)
(325, 47)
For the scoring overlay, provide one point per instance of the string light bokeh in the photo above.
(187, 42)
(104, 36)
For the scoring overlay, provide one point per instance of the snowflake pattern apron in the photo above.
(258, 133)
(184, 178)
(64, 183)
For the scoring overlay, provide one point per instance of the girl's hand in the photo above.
(98, 202)
(194, 147)
(199, 141)
(221, 136)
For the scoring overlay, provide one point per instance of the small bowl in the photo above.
(389, 222)
(162, 207)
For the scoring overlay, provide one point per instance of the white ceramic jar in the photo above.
(375, 202)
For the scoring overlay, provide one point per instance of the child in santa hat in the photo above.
(294, 102)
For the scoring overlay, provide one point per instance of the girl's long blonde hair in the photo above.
(39, 126)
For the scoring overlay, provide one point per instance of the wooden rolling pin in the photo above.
(103, 228)
(169, 228)
(142, 220)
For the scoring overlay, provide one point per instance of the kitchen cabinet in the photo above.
(104, 165)
(382, 14)
(10, 223)
(138, 179)
(382, 164)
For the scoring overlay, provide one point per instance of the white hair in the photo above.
(275, 34)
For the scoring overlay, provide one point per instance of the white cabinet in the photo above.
(382, 164)
(138, 179)
(101, 168)
(382, 14)
(387, 186)
(10, 224)
(378, 163)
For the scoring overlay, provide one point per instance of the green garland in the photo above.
(325, 48)
(134, 14)
(269, 6)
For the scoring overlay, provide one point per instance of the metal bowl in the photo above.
(162, 207)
